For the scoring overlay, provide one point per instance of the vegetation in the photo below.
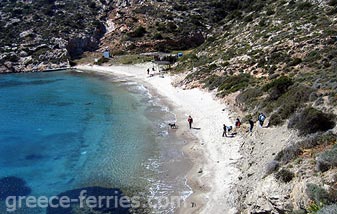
(138, 32)
(327, 159)
(311, 120)
(284, 175)
(291, 152)
(318, 194)
(328, 209)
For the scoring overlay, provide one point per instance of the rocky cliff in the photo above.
(38, 35)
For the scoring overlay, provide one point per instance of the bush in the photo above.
(329, 209)
(317, 194)
(295, 62)
(284, 175)
(293, 151)
(272, 167)
(332, 3)
(248, 95)
(288, 154)
(270, 12)
(234, 83)
(327, 160)
(278, 87)
(139, 32)
(158, 36)
(287, 103)
(275, 120)
(304, 5)
(326, 139)
(213, 81)
(311, 120)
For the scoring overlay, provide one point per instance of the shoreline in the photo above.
(213, 158)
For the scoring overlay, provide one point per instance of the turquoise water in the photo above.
(66, 130)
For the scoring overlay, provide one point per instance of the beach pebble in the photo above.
(200, 170)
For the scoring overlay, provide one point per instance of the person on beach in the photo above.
(251, 125)
(261, 119)
(224, 133)
(148, 71)
(237, 123)
(190, 121)
(226, 129)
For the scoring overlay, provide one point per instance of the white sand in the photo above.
(219, 155)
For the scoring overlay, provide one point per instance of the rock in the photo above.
(26, 33)
(298, 196)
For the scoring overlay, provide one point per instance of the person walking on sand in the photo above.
(251, 125)
(190, 121)
(148, 71)
(224, 133)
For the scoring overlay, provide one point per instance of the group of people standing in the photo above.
(226, 129)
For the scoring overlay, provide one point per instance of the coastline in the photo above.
(214, 158)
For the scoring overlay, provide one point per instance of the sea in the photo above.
(65, 131)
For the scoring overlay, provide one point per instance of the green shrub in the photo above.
(327, 160)
(293, 151)
(333, 3)
(248, 18)
(314, 207)
(284, 99)
(248, 95)
(313, 56)
(234, 83)
(311, 120)
(317, 194)
(158, 36)
(275, 120)
(328, 209)
(270, 12)
(284, 175)
(213, 81)
(304, 5)
(281, 84)
(295, 62)
(139, 32)
(325, 139)
(288, 154)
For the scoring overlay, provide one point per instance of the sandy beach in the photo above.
(214, 157)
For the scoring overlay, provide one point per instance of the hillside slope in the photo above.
(279, 60)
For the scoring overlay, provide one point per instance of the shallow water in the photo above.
(65, 130)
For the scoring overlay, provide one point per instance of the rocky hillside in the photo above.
(40, 34)
(279, 59)
(140, 26)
